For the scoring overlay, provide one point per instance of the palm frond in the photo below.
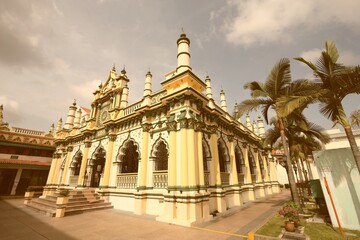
(332, 50)
(278, 78)
(252, 104)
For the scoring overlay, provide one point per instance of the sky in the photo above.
(55, 51)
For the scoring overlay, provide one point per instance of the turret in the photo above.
(248, 122)
(183, 57)
(208, 87)
(223, 101)
(236, 112)
(147, 88)
(59, 125)
(261, 127)
(69, 124)
(124, 97)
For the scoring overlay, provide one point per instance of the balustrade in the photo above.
(126, 180)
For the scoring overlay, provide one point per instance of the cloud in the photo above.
(263, 21)
(11, 110)
(345, 57)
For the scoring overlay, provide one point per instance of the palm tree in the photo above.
(278, 84)
(336, 81)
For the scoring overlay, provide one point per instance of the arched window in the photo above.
(161, 157)
(130, 159)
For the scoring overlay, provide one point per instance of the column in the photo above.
(200, 157)
(66, 167)
(52, 169)
(144, 156)
(184, 153)
(105, 179)
(172, 155)
(234, 176)
(193, 183)
(82, 173)
(16, 181)
(215, 156)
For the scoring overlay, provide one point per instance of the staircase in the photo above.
(80, 201)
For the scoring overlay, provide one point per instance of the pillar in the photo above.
(144, 156)
(16, 181)
(184, 153)
(69, 124)
(66, 167)
(82, 173)
(172, 125)
(234, 176)
(104, 183)
(248, 186)
(192, 165)
(223, 101)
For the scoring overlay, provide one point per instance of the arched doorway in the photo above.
(129, 160)
(75, 168)
(97, 166)
(240, 165)
(161, 157)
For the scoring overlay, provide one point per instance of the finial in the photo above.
(74, 103)
(123, 71)
(113, 68)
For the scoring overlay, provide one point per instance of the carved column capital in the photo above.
(171, 126)
(146, 127)
(69, 148)
(231, 138)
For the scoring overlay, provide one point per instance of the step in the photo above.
(79, 211)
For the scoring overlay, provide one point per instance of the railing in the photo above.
(160, 179)
(241, 178)
(128, 180)
(225, 178)
(130, 109)
(207, 179)
(28, 131)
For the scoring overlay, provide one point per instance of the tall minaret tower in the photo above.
(69, 124)
(261, 127)
(124, 97)
(183, 57)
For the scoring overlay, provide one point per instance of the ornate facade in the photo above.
(175, 153)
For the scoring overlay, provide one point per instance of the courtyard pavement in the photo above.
(19, 222)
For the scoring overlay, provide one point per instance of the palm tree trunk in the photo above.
(353, 145)
(300, 172)
(292, 182)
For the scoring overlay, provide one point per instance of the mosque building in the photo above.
(175, 153)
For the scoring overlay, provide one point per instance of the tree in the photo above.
(336, 82)
(278, 84)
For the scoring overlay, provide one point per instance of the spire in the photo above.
(183, 57)
(223, 101)
(261, 127)
(255, 128)
(59, 125)
(113, 72)
(208, 87)
(147, 88)
(69, 124)
(124, 97)
(248, 122)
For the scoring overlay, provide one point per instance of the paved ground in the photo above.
(18, 222)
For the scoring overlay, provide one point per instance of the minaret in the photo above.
(69, 124)
(236, 111)
(248, 122)
(59, 125)
(77, 118)
(208, 87)
(255, 129)
(261, 127)
(147, 88)
(223, 101)
(183, 57)
(124, 97)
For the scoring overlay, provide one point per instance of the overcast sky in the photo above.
(54, 51)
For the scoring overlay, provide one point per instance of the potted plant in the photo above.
(291, 214)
